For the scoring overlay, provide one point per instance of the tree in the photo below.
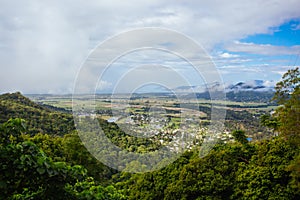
(28, 173)
(266, 175)
(288, 87)
(288, 114)
(240, 136)
(288, 95)
(12, 131)
(270, 122)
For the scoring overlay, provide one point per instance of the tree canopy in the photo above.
(40, 162)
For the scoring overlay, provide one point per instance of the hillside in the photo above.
(44, 166)
(39, 119)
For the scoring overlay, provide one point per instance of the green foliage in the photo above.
(12, 130)
(76, 153)
(26, 170)
(24, 166)
(89, 190)
(233, 171)
(125, 141)
(70, 149)
(266, 175)
(36, 163)
(288, 94)
(294, 168)
(240, 136)
(288, 88)
(151, 185)
(39, 119)
(270, 121)
(28, 173)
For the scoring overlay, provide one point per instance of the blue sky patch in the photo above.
(288, 34)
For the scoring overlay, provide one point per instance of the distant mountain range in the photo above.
(255, 85)
(250, 91)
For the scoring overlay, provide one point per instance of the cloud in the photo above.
(44, 43)
(295, 27)
(269, 84)
(270, 73)
(104, 85)
(262, 49)
(228, 55)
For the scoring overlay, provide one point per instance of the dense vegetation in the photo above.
(242, 96)
(28, 173)
(39, 162)
(39, 119)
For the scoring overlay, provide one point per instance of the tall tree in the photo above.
(288, 95)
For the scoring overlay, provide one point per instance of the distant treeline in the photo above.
(242, 96)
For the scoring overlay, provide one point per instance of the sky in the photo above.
(45, 44)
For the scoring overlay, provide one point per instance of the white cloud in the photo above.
(270, 83)
(43, 43)
(295, 27)
(228, 55)
(104, 85)
(262, 49)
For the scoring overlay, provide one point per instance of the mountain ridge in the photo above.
(254, 85)
(39, 118)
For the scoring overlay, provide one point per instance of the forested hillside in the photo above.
(39, 119)
(42, 157)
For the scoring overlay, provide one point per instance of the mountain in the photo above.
(250, 91)
(254, 85)
(39, 119)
